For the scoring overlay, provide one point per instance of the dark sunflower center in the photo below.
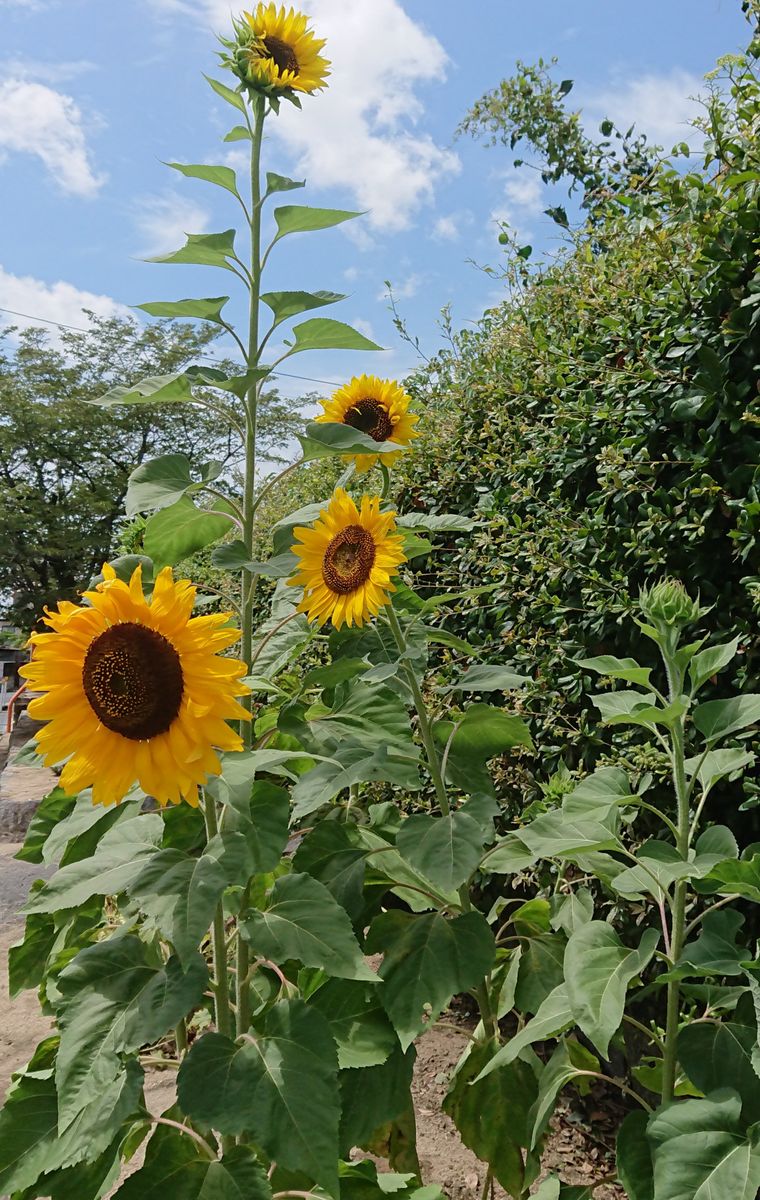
(283, 54)
(371, 418)
(132, 677)
(348, 559)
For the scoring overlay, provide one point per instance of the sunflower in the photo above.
(347, 558)
(135, 690)
(276, 52)
(377, 407)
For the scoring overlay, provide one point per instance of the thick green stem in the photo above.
(679, 900)
(490, 1022)
(222, 1009)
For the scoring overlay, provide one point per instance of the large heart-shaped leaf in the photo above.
(598, 969)
(175, 533)
(446, 849)
(174, 1168)
(702, 1150)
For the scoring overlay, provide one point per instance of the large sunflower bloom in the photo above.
(135, 690)
(347, 558)
(377, 407)
(279, 52)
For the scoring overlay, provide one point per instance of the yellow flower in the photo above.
(377, 407)
(135, 690)
(347, 559)
(278, 52)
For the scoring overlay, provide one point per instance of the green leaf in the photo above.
(208, 309)
(366, 712)
(709, 662)
(120, 856)
(481, 734)
(616, 668)
(362, 1032)
(261, 813)
(552, 1017)
(732, 877)
(557, 835)
(223, 177)
(221, 89)
(702, 1150)
(52, 809)
(634, 1157)
(281, 1088)
(659, 865)
(112, 1000)
(354, 764)
(238, 133)
(598, 969)
(178, 895)
(285, 305)
(174, 1168)
(322, 333)
(636, 708)
(508, 857)
(176, 532)
(330, 856)
(303, 921)
(203, 249)
(297, 218)
(491, 1110)
(156, 389)
(281, 183)
(717, 764)
(715, 951)
(569, 1060)
(158, 483)
(447, 849)
(427, 959)
(483, 677)
(540, 970)
(81, 832)
(371, 1097)
(718, 1054)
(718, 718)
(322, 439)
(436, 522)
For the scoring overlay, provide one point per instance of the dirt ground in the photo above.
(576, 1155)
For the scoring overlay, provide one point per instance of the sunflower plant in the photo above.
(267, 835)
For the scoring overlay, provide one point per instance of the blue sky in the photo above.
(95, 94)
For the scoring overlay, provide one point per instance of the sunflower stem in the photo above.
(222, 1010)
(482, 991)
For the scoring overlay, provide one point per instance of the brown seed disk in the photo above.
(371, 418)
(283, 54)
(132, 678)
(348, 560)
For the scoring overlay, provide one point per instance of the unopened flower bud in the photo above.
(668, 603)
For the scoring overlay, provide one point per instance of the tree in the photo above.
(64, 463)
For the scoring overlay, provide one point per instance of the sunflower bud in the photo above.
(668, 604)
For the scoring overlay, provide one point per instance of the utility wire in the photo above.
(206, 357)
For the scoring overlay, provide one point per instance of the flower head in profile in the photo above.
(347, 560)
(274, 51)
(377, 407)
(135, 690)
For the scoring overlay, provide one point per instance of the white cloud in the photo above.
(47, 72)
(661, 106)
(523, 201)
(163, 222)
(446, 229)
(35, 119)
(59, 301)
(362, 133)
(403, 291)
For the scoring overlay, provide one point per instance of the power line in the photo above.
(207, 357)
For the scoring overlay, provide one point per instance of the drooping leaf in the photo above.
(733, 877)
(363, 1034)
(176, 532)
(427, 959)
(634, 1157)
(289, 304)
(158, 483)
(541, 970)
(717, 764)
(719, 1054)
(372, 1097)
(113, 1000)
(484, 677)
(53, 808)
(490, 1109)
(299, 218)
(445, 849)
(481, 734)
(302, 920)
(322, 333)
(557, 834)
(178, 895)
(598, 969)
(714, 951)
(573, 910)
(329, 854)
(353, 763)
(702, 1150)
(324, 439)
(261, 813)
(221, 89)
(616, 668)
(280, 1087)
(553, 1017)
(207, 309)
(569, 1060)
